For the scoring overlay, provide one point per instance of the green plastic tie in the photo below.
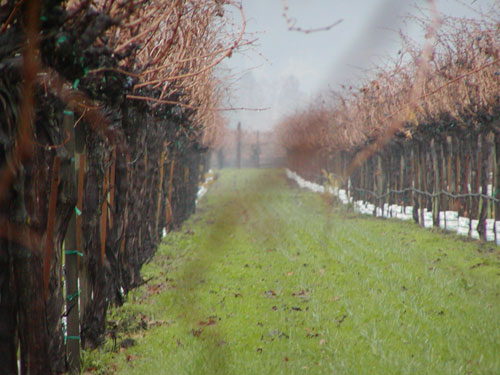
(78, 212)
(73, 252)
(76, 83)
(71, 297)
(68, 112)
(71, 338)
(62, 39)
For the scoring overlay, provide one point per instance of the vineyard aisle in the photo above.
(268, 279)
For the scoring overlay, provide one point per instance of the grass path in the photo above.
(268, 279)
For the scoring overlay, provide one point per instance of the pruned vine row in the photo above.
(424, 133)
(107, 110)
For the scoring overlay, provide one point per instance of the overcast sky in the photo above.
(291, 68)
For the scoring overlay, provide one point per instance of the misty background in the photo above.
(285, 70)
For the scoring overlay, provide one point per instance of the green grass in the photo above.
(269, 279)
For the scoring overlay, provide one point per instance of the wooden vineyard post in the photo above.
(419, 185)
(465, 180)
(49, 239)
(386, 172)
(71, 256)
(360, 195)
(343, 174)
(125, 220)
(412, 180)
(238, 146)
(485, 145)
(168, 211)
(82, 269)
(443, 181)
(396, 170)
(397, 179)
(403, 178)
(366, 180)
(424, 187)
(415, 181)
(475, 177)
(186, 187)
(402, 161)
(453, 178)
(394, 174)
(457, 167)
(436, 198)
(362, 181)
(200, 174)
(378, 189)
(372, 170)
(448, 185)
(258, 151)
(496, 183)
(112, 174)
(160, 188)
(104, 215)
(382, 179)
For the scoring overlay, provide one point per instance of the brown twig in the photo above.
(22, 150)
(291, 23)
(12, 14)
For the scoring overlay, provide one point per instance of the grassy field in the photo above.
(269, 279)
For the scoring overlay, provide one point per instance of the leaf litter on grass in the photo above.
(314, 293)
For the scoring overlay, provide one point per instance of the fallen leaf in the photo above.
(274, 308)
(131, 357)
(127, 343)
(290, 273)
(210, 322)
(154, 323)
(341, 320)
(196, 332)
(270, 293)
(322, 342)
(278, 333)
(302, 293)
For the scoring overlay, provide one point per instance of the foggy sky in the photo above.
(291, 68)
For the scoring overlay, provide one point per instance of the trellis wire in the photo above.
(431, 195)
